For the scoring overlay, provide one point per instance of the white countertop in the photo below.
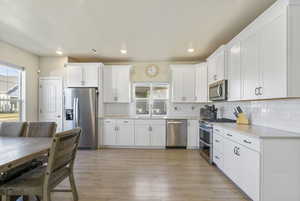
(149, 118)
(257, 131)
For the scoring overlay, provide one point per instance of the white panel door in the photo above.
(74, 75)
(189, 85)
(231, 161)
(234, 72)
(193, 133)
(50, 100)
(273, 51)
(220, 65)
(250, 67)
(177, 85)
(109, 132)
(125, 135)
(212, 70)
(158, 135)
(122, 77)
(249, 182)
(108, 95)
(142, 135)
(91, 75)
(201, 83)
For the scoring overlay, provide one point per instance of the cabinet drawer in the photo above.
(157, 122)
(124, 122)
(218, 142)
(218, 159)
(251, 143)
(218, 131)
(108, 121)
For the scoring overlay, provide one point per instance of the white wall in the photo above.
(52, 66)
(30, 62)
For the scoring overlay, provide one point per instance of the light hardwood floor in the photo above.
(148, 175)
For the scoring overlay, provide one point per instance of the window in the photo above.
(10, 93)
(151, 98)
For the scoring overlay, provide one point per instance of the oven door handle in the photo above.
(205, 129)
(203, 142)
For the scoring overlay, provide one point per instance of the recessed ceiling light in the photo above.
(123, 51)
(59, 52)
(191, 50)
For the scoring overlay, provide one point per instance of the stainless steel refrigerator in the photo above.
(80, 110)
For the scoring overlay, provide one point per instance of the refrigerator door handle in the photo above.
(74, 113)
(77, 109)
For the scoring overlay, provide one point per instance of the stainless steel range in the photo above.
(206, 137)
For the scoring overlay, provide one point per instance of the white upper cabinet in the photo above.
(216, 65)
(183, 83)
(83, 74)
(201, 87)
(266, 56)
(234, 71)
(117, 84)
(250, 67)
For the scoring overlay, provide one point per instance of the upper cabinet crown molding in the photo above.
(83, 74)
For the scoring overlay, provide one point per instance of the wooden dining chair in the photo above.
(41, 181)
(41, 129)
(13, 129)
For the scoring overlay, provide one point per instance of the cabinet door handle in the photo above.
(256, 91)
(229, 135)
(260, 91)
(217, 157)
(150, 128)
(217, 141)
(248, 142)
(217, 130)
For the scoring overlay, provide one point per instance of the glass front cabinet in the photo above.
(151, 99)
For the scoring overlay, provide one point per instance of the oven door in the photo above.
(205, 142)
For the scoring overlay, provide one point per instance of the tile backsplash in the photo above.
(280, 114)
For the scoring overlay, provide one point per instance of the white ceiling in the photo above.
(150, 29)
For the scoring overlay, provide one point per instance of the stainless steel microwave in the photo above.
(218, 91)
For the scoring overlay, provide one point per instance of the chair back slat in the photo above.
(41, 129)
(13, 129)
(62, 153)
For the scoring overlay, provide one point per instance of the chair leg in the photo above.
(73, 187)
(5, 198)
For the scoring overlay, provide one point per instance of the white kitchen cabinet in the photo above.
(183, 83)
(158, 135)
(234, 70)
(109, 132)
(117, 84)
(150, 133)
(268, 56)
(201, 87)
(142, 135)
(250, 67)
(125, 133)
(216, 65)
(273, 57)
(193, 134)
(118, 132)
(83, 74)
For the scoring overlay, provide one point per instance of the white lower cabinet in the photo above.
(118, 132)
(134, 133)
(150, 133)
(193, 134)
(240, 163)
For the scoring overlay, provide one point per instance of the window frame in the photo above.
(21, 82)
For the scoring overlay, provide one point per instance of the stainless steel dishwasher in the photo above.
(176, 133)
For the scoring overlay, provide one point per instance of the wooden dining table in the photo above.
(15, 151)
